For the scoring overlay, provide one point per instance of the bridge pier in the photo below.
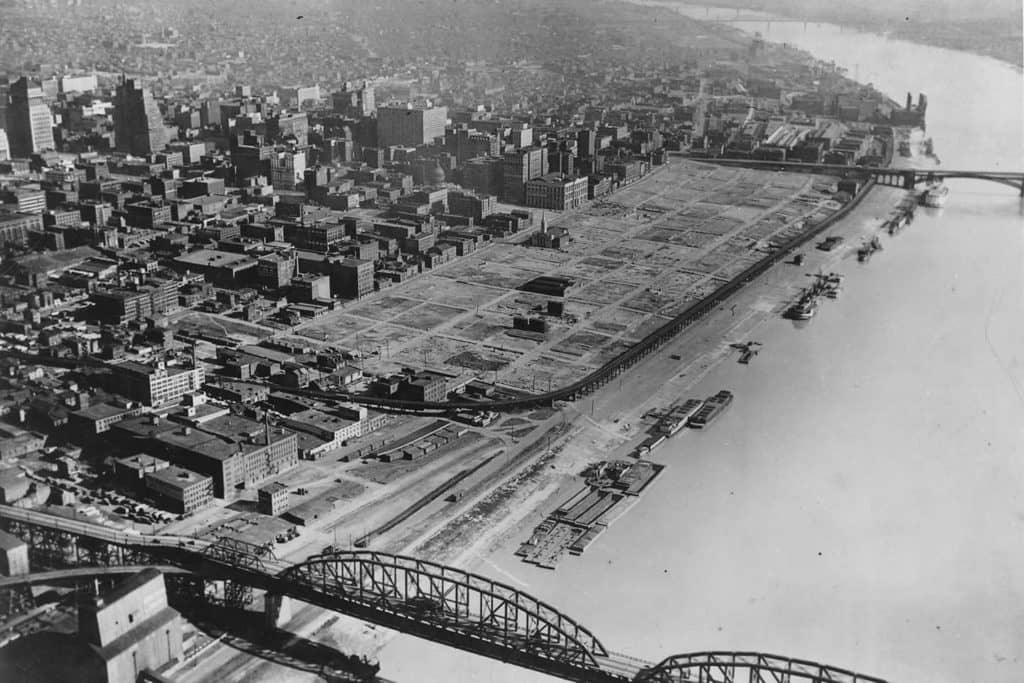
(909, 180)
(277, 610)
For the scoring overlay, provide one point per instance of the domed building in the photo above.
(436, 176)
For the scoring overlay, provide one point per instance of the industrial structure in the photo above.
(429, 600)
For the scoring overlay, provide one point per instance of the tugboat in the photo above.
(798, 260)
(804, 309)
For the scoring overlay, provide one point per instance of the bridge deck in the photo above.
(439, 603)
(59, 576)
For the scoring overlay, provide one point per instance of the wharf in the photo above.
(588, 512)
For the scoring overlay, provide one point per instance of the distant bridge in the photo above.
(429, 600)
(740, 17)
(907, 178)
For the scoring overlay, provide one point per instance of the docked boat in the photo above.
(679, 416)
(935, 196)
(803, 309)
(712, 408)
(690, 407)
(868, 249)
(798, 260)
(830, 243)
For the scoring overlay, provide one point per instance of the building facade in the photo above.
(138, 124)
(157, 385)
(288, 169)
(130, 629)
(180, 490)
(557, 192)
(272, 499)
(518, 168)
(410, 125)
(29, 121)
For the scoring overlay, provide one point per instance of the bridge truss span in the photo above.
(746, 667)
(470, 608)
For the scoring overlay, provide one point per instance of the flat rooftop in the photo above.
(177, 476)
(213, 258)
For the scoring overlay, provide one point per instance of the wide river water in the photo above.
(862, 502)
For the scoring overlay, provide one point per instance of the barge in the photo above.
(713, 408)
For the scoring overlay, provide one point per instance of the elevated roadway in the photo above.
(440, 603)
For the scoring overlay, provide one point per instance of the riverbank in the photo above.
(999, 38)
(608, 424)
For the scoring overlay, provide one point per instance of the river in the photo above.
(862, 502)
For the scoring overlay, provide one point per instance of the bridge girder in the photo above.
(423, 598)
(447, 600)
(752, 667)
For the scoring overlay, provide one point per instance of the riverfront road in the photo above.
(432, 601)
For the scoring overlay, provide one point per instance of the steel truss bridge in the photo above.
(433, 601)
(907, 178)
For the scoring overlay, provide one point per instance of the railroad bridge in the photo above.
(907, 178)
(429, 600)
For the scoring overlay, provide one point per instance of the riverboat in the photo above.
(935, 196)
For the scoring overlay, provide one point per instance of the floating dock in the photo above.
(610, 490)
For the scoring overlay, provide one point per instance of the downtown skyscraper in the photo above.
(29, 121)
(138, 125)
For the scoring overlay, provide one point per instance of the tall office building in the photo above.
(29, 122)
(356, 101)
(410, 125)
(288, 169)
(138, 125)
(520, 166)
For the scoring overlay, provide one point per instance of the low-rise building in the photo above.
(235, 451)
(310, 288)
(99, 417)
(275, 270)
(13, 555)
(272, 499)
(556, 191)
(16, 442)
(156, 385)
(131, 470)
(180, 490)
(332, 430)
(425, 387)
